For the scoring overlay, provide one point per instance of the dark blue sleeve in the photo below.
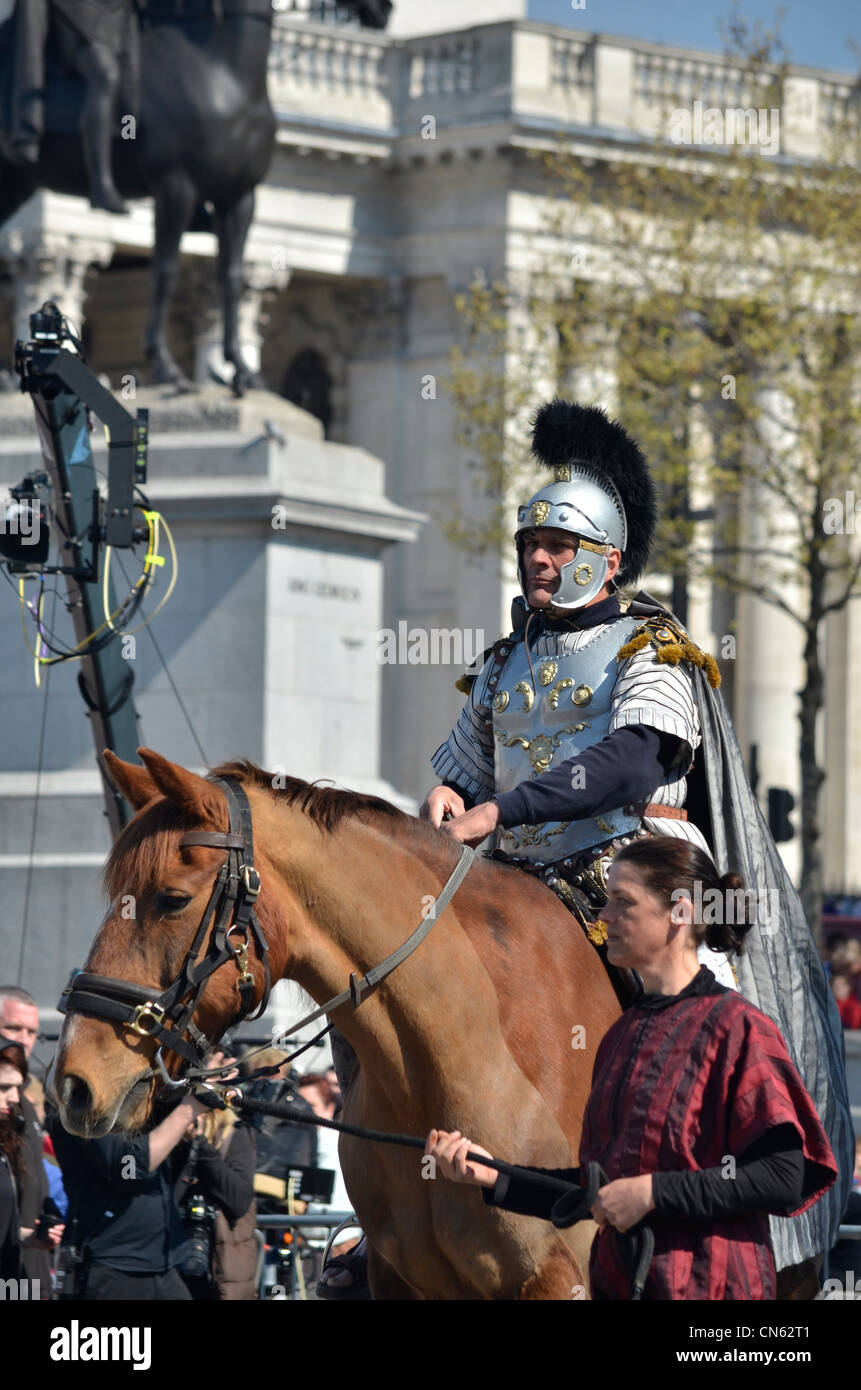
(626, 766)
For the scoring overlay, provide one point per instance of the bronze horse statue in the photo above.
(344, 882)
(204, 136)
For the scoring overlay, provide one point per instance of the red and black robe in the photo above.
(691, 1082)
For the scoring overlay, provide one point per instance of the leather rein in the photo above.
(166, 1017)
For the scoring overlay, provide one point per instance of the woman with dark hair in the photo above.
(13, 1166)
(696, 1114)
(13, 1079)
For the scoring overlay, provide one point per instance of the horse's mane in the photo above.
(150, 841)
(326, 806)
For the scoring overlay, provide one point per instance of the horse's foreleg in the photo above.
(384, 1281)
(231, 227)
(174, 203)
(560, 1278)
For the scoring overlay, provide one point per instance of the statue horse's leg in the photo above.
(175, 200)
(17, 184)
(231, 226)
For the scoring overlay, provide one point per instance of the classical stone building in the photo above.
(402, 167)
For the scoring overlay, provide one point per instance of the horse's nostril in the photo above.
(75, 1094)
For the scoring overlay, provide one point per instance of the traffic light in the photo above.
(780, 803)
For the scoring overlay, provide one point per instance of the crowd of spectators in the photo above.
(843, 968)
(168, 1214)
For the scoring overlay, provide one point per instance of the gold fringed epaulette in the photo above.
(465, 683)
(672, 645)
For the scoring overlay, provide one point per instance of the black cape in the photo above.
(780, 970)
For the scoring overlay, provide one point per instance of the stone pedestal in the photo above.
(270, 638)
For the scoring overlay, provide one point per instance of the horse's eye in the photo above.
(171, 902)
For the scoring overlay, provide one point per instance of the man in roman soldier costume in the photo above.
(98, 40)
(589, 726)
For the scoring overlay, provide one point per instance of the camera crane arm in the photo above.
(64, 390)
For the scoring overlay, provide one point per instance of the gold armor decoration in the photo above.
(563, 472)
(539, 513)
(585, 570)
(553, 697)
(531, 834)
(597, 933)
(528, 694)
(547, 672)
(540, 750)
(582, 695)
(672, 645)
(500, 700)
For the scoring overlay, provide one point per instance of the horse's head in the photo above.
(159, 890)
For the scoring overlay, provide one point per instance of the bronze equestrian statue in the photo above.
(96, 39)
(114, 99)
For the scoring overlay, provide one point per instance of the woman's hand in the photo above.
(30, 1241)
(449, 1150)
(624, 1202)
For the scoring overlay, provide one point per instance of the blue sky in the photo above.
(814, 31)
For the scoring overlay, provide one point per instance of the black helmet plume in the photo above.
(564, 432)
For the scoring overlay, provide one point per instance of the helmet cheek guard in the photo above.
(582, 579)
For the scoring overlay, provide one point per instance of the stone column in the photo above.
(771, 644)
(47, 266)
(259, 277)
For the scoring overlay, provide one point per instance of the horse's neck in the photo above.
(240, 39)
(370, 893)
(241, 42)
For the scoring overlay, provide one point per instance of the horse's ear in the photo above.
(193, 794)
(132, 781)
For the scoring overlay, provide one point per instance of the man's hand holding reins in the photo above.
(475, 825)
(440, 802)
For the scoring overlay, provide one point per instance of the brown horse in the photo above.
(479, 1029)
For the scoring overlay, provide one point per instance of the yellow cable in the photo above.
(173, 578)
(151, 560)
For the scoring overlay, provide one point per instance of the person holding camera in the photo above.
(214, 1190)
(127, 1237)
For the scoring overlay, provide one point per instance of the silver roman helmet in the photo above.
(603, 495)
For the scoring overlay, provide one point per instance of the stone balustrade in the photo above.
(525, 73)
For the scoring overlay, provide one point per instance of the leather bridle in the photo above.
(230, 910)
(169, 1015)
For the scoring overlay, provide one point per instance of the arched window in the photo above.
(308, 384)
